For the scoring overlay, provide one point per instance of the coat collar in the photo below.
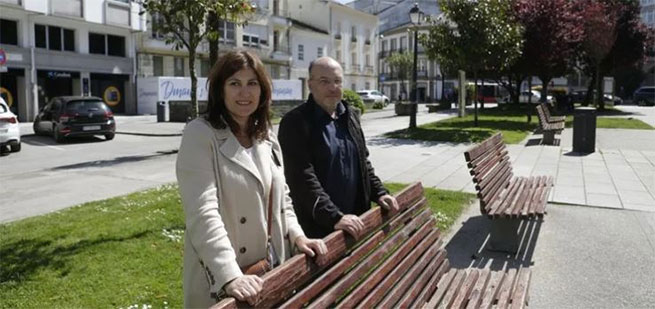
(231, 149)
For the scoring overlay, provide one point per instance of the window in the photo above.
(250, 40)
(393, 44)
(353, 58)
(368, 86)
(115, 45)
(178, 66)
(276, 40)
(156, 22)
(8, 32)
(353, 87)
(403, 43)
(69, 40)
(384, 45)
(226, 32)
(40, 36)
(319, 52)
(157, 66)
(338, 55)
(96, 43)
(54, 38)
(353, 31)
(204, 67)
(111, 45)
(301, 52)
(368, 60)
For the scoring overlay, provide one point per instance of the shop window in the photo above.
(54, 38)
(8, 32)
(96, 43)
(157, 65)
(116, 45)
(40, 36)
(69, 40)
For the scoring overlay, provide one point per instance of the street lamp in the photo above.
(415, 16)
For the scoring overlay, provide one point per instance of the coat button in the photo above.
(242, 250)
(243, 220)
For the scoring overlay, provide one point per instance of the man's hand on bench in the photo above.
(389, 203)
(245, 288)
(351, 224)
(313, 248)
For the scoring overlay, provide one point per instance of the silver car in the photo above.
(373, 96)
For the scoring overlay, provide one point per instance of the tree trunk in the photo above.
(544, 88)
(529, 109)
(590, 90)
(475, 98)
(212, 25)
(600, 102)
(482, 86)
(192, 71)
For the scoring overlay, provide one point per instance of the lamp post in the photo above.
(415, 16)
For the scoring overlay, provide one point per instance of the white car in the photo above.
(9, 130)
(373, 96)
(536, 97)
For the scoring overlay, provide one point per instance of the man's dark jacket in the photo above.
(299, 140)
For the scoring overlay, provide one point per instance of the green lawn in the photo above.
(120, 252)
(462, 130)
(615, 123)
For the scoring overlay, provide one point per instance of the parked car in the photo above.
(9, 129)
(536, 97)
(373, 96)
(644, 96)
(65, 117)
(579, 97)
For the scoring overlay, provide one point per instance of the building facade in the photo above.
(396, 34)
(68, 47)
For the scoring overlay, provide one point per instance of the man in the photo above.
(326, 159)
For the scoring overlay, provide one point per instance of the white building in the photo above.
(68, 47)
(351, 40)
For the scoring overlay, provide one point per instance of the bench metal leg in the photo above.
(504, 235)
(548, 137)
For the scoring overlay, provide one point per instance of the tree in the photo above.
(553, 31)
(234, 11)
(475, 36)
(402, 65)
(621, 48)
(184, 26)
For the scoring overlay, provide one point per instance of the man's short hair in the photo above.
(311, 64)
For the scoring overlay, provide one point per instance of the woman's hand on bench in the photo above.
(245, 288)
(388, 202)
(313, 248)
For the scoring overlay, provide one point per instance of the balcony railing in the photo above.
(71, 8)
(353, 39)
(337, 36)
(422, 73)
(368, 69)
(355, 67)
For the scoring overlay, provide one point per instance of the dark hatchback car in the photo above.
(644, 96)
(65, 117)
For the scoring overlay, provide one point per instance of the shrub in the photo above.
(353, 99)
(378, 105)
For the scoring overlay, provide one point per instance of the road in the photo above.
(45, 176)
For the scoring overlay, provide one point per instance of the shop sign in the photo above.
(55, 74)
(284, 89)
(3, 57)
(112, 96)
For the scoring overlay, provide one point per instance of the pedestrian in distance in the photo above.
(238, 213)
(326, 161)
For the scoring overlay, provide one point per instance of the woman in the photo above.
(228, 168)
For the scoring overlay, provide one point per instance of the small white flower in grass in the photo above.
(173, 235)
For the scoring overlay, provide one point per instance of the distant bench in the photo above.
(504, 198)
(400, 263)
(549, 125)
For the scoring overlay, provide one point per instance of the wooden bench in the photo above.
(549, 129)
(505, 199)
(549, 117)
(401, 263)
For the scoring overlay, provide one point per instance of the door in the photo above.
(111, 89)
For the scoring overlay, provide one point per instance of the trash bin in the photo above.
(163, 113)
(584, 130)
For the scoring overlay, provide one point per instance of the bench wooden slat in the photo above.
(530, 197)
(337, 270)
(475, 151)
(387, 266)
(442, 288)
(520, 293)
(341, 286)
(511, 204)
(541, 208)
(534, 205)
(454, 287)
(498, 182)
(502, 167)
(478, 289)
(494, 146)
(491, 291)
(395, 282)
(500, 203)
(505, 292)
(425, 284)
(465, 292)
(430, 287)
(528, 191)
(487, 161)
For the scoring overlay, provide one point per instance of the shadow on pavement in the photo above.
(43, 140)
(537, 142)
(468, 247)
(115, 161)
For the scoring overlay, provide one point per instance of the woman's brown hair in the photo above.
(226, 66)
